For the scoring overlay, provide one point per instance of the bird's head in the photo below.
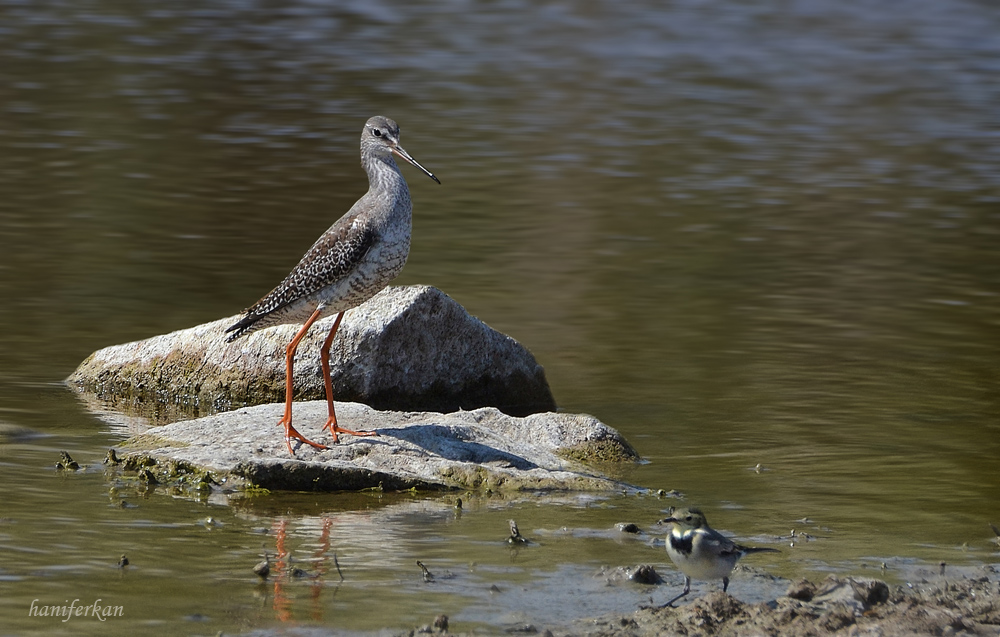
(381, 137)
(685, 519)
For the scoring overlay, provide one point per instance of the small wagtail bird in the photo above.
(701, 552)
(350, 263)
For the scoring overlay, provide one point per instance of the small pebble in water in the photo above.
(427, 575)
(66, 462)
(515, 534)
(441, 623)
(263, 569)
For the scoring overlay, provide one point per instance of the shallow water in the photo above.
(751, 234)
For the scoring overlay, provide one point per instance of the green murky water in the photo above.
(741, 234)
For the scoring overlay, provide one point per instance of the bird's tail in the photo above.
(759, 549)
(241, 327)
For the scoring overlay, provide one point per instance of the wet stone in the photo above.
(803, 590)
(66, 462)
(645, 574)
(407, 348)
(480, 449)
(638, 574)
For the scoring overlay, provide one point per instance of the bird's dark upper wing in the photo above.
(330, 259)
(718, 543)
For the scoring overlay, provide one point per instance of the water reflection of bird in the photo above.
(701, 552)
(350, 263)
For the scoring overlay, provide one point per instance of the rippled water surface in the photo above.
(740, 233)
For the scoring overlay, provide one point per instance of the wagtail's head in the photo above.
(685, 519)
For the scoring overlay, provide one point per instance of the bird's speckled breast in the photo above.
(352, 261)
(377, 269)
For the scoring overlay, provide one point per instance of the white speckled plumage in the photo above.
(361, 252)
(348, 264)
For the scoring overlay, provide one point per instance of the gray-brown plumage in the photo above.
(350, 263)
(336, 255)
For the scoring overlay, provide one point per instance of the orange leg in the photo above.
(324, 359)
(290, 431)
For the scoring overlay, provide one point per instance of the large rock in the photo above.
(408, 348)
(464, 450)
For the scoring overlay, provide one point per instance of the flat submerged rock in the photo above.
(480, 449)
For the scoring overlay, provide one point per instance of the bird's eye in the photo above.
(688, 518)
(376, 132)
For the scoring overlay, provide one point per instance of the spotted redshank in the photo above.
(358, 256)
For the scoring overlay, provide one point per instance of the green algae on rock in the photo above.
(407, 348)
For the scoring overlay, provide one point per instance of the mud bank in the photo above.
(967, 605)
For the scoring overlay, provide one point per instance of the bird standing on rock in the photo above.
(701, 552)
(351, 262)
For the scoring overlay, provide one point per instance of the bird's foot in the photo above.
(670, 604)
(331, 424)
(291, 432)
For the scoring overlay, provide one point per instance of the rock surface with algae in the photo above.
(407, 348)
(480, 449)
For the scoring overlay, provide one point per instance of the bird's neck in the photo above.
(387, 191)
(384, 175)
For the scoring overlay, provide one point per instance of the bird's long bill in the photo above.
(405, 155)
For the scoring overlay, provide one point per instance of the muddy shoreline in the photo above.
(966, 603)
(834, 606)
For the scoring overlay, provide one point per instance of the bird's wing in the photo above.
(718, 543)
(330, 259)
(722, 545)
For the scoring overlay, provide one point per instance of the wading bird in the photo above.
(351, 262)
